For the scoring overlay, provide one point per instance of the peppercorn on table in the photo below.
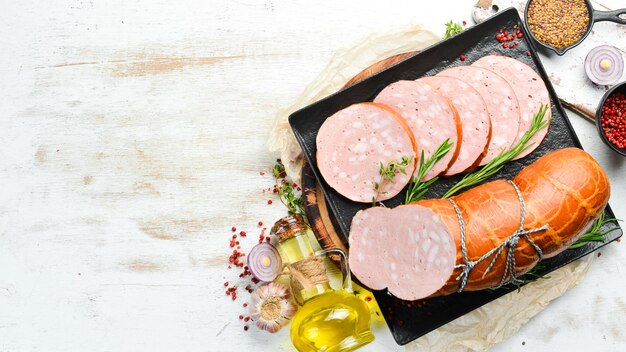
(133, 149)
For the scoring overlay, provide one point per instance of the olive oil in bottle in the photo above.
(332, 321)
(329, 320)
(294, 246)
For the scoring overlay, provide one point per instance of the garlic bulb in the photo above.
(271, 308)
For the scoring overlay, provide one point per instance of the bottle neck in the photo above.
(309, 278)
(308, 273)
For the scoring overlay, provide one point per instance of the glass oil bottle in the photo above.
(329, 320)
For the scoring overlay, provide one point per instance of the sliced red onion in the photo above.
(604, 65)
(264, 262)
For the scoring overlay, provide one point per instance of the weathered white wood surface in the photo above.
(133, 133)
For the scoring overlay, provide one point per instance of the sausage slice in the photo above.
(431, 117)
(474, 117)
(530, 91)
(353, 142)
(501, 103)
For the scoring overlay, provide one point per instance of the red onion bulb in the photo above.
(604, 65)
(264, 262)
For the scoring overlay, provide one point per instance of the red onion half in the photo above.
(264, 262)
(604, 65)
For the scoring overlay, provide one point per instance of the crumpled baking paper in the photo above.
(498, 320)
(485, 326)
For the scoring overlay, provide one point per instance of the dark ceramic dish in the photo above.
(410, 321)
(594, 16)
(619, 87)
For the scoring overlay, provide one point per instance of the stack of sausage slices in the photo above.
(483, 109)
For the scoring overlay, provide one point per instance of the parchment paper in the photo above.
(483, 327)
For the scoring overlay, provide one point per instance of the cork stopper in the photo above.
(288, 227)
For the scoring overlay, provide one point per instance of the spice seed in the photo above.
(558, 23)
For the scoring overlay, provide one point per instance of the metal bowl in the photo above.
(594, 16)
(619, 87)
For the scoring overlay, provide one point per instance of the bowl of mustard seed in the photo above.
(560, 25)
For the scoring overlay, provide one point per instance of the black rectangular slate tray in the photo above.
(410, 320)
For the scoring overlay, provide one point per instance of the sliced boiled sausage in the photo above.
(565, 189)
(429, 115)
(474, 117)
(501, 103)
(530, 91)
(353, 142)
(407, 250)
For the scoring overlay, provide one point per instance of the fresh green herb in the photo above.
(530, 276)
(279, 170)
(286, 193)
(387, 173)
(504, 157)
(452, 29)
(417, 188)
(594, 233)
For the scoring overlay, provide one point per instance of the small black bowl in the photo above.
(619, 87)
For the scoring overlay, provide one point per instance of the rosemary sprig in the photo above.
(530, 276)
(417, 188)
(504, 157)
(286, 193)
(452, 29)
(594, 233)
(387, 173)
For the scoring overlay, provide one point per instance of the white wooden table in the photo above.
(132, 137)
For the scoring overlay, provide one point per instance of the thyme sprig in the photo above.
(387, 172)
(286, 192)
(504, 157)
(452, 29)
(417, 188)
(594, 233)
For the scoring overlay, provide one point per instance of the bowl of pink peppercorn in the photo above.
(611, 118)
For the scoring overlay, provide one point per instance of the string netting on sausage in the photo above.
(510, 243)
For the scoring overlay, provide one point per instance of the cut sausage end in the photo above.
(407, 250)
